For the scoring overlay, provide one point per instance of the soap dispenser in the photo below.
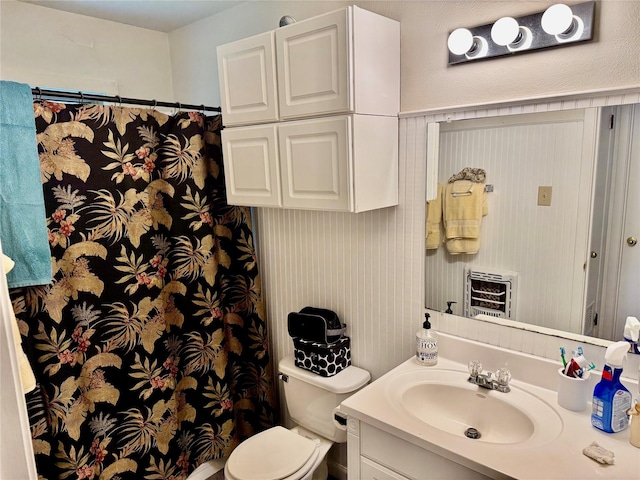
(449, 310)
(426, 344)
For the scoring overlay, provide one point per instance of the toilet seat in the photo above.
(275, 454)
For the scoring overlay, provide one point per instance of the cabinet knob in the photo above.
(632, 241)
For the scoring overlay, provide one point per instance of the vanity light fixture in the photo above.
(557, 25)
(559, 20)
(508, 33)
(462, 42)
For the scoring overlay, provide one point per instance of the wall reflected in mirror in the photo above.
(562, 202)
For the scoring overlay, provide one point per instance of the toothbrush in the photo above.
(562, 354)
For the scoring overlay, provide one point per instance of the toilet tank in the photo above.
(311, 399)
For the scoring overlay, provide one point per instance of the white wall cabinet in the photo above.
(343, 61)
(346, 61)
(315, 163)
(252, 173)
(247, 74)
(344, 163)
(310, 114)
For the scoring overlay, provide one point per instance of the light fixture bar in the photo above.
(536, 31)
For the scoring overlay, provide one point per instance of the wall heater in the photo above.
(490, 292)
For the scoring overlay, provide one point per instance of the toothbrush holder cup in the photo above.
(574, 393)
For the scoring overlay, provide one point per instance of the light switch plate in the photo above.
(544, 196)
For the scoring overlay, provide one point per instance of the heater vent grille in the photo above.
(490, 292)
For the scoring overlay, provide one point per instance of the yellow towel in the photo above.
(434, 220)
(463, 207)
(457, 246)
(464, 203)
(26, 373)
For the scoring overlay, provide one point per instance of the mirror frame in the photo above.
(588, 99)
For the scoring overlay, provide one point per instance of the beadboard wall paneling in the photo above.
(367, 267)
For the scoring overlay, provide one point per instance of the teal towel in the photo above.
(23, 225)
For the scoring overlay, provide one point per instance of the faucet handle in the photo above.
(503, 376)
(475, 368)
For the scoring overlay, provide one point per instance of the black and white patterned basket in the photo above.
(322, 359)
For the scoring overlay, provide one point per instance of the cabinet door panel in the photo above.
(313, 59)
(315, 163)
(372, 471)
(251, 165)
(246, 71)
(409, 459)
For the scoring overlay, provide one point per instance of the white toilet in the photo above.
(299, 453)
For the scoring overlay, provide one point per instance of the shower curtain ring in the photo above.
(119, 100)
(81, 98)
(39, 93)
(203, 109)
(179, 106)
(155, 103)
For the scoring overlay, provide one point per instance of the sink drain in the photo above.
(472, 433)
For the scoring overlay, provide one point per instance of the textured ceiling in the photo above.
(160, 15)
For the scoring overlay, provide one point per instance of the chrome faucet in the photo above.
(499, 383)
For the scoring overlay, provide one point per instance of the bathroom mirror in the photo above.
(556, 246)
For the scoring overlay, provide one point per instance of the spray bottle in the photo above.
(611, 400)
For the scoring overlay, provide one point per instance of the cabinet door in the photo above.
(372, 471)
(251, 165)
(315, 163)
(246, 71)
(313, 58)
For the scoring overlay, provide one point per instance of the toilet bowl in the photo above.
(277, 454)
(312, 468)
(299, 453)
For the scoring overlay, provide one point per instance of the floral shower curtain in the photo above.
(149, 345)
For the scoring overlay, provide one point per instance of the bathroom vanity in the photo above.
(411, 423)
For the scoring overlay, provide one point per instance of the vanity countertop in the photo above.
(561, 458)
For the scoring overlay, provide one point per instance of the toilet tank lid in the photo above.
(348, 380)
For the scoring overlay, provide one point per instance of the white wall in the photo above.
(610, 60)
(50, 48)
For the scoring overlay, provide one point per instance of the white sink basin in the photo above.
(443, 399)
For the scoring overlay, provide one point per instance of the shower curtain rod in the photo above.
(39, 92)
